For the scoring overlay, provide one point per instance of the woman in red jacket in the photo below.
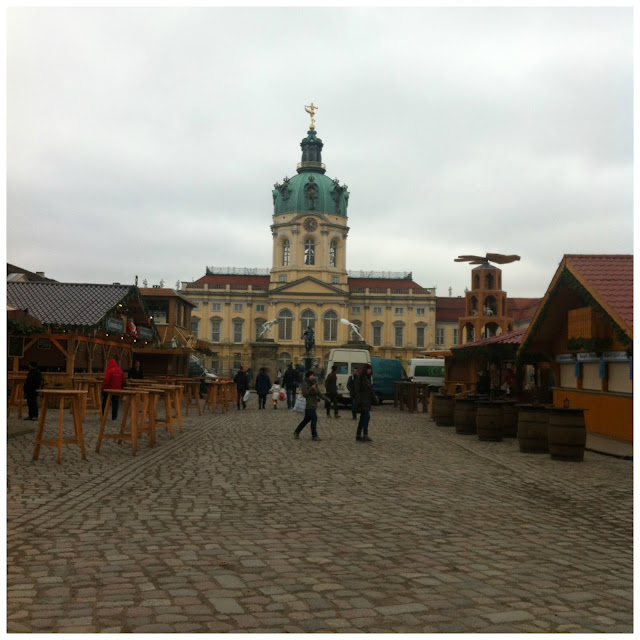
(113, 379)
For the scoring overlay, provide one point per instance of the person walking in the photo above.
(331, 388)
(290, 382)
(365, 397)
(312, 394)
(30, 388)
(276, 390)
(263, 384)
(242, 385)
(351, 386)
(113, 379)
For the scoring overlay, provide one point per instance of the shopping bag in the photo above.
(246, 396)
(282, 395)
(300, 405)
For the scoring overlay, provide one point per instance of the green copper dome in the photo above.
(310, 191)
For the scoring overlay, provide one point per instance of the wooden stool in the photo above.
(136, 404)
(77, 400)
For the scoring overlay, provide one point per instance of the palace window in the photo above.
(455, 336)
(237, 361)
(398, 335)
(260, 308)
(356, 309)
(238, 306)
(195, 325)
(377, 311)
(420, 336)
(330, 319)
(216, 330)
(335, 279)
(215, 362)
(440, 337)
(282, 278)
(398, 311)
(307, 319)
(377, 335)
(309, 252)
(333, 251)
(237, 331)
(420, 311)
(286, 253)
(258, 328)
(216, 306)
(285, 324)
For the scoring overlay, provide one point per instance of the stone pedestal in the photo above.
(264, 353)
(356, 344)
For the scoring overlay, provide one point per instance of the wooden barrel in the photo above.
(533, 422)
(464, 416)
(509, 420)
(489, 420)
(567, 434)
(443, 410)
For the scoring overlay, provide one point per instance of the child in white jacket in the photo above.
(275, 393)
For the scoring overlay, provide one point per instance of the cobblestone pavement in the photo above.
(235, 526)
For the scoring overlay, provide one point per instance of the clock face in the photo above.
(310, 224)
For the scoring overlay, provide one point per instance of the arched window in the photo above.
(285, 324)
(489, 281)
(309, 251)
(286, 253)
(284, 360)
(330, 321)
(333, 252)
(307, 319)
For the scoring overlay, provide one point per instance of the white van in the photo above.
(429, 370)
(347, 360)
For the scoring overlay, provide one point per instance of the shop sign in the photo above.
(144, 333)
(113, 324)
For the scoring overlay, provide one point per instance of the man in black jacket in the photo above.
(31, 386)
(290, 381)
(331, 389)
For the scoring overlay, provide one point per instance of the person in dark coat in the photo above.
(242, 385)
(290, 382)
(364, 394)
(351, 386)
(331, 389)
(31, 386)
(135, 373)
(263, 384)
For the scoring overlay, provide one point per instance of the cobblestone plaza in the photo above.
(234, 526)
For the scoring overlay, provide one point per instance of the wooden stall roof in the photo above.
(84, 306)
(606, 279)
(513, 337)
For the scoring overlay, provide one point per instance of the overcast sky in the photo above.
(147, 141)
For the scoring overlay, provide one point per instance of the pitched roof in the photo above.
(156, 292)
(609, 278)
(15, 272)
(66, 303)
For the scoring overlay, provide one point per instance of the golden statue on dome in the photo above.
(311, 111)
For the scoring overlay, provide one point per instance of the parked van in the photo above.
(385, 373)
(346, 359)
(429, 370)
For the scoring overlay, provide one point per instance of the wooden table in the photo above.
(175, 392)
(16, 399)
(77, 399)
(155, 393)
(217, 395)
(191, 394)
(93, 386)
(410, 393)
(135, 405)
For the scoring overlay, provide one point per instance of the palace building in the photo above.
(308, 285)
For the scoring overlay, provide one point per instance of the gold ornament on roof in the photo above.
(311, 111)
